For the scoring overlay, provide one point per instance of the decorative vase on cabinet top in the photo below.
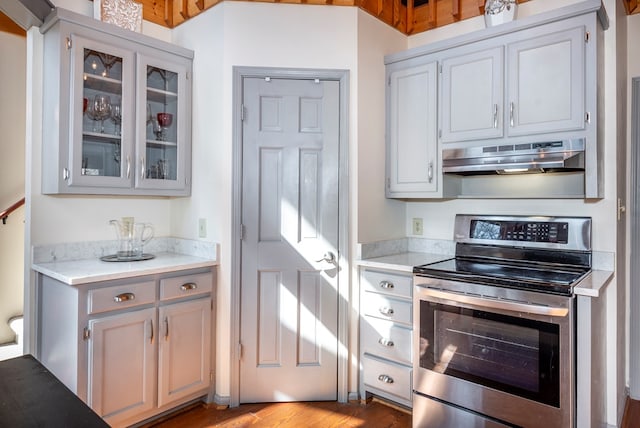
(498, 12)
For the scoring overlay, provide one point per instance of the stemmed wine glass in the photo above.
(100, 109)
(164, 121)
(116, 117)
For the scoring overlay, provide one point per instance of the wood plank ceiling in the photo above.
(408, 16)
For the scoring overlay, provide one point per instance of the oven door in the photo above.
(503, 353)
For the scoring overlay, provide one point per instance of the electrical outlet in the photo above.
(202, 228)
(417, 226)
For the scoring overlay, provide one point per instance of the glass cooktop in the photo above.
(544, 278)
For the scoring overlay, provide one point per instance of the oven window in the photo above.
(514, 355)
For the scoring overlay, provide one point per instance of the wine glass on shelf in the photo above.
(101, 109)
(164, 121)
(116, 117)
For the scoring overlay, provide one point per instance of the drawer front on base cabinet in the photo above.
(379, 306)
(121, 297)
(389, 377)
(386, 283)
(386, 339)
(182, 286)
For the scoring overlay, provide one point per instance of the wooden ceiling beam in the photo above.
(8, 26)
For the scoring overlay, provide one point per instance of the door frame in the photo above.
(342, 76)
(634, 270)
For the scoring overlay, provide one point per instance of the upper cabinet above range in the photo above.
(116, 110)
(533, 82)
(542, 91)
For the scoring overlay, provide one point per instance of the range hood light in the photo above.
(519, 170)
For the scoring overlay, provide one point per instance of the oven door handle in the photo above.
(496, 304)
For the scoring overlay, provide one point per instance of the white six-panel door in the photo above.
(289, 299)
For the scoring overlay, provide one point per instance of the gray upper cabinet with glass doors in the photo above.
(116, 111)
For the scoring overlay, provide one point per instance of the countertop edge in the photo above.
(86, 277)
(594, 283)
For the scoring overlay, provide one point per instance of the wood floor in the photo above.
(325, 414)
(631, 418)
(316, 415)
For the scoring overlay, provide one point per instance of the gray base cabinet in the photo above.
(386, 340)
(132, 348)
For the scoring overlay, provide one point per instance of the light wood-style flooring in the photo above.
(326, 414)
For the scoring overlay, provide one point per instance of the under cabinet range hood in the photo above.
(548, 156)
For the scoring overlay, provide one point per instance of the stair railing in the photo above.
(5, 214)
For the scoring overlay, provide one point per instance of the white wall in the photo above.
(12, 124)
(378, 218)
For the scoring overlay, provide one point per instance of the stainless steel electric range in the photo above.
(494, 327)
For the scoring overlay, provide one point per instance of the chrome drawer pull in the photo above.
(188, 286)
(152, 335)
(386, 284)
(385, 342)
(124, 297)
(386, 311)
(166, 323)
(385, 378)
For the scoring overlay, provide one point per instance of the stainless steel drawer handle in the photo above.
(386, 285)
(385, 378)
(124, 297)
(386, 311)
(385, 342)
(188, 286)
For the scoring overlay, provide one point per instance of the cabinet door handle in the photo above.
(124, 297)
(128, 166)
(188, 286)
(385, 378)
(386, 284)
(386, 342)
(386, 311)
(511, 120)
(152, 335)
(495, 116)
(430, 172)
(142, 167)
(166, 326)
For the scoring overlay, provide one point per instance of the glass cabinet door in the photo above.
(163, 134)
(102, 115)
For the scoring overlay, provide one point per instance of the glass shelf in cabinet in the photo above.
(102, 84)
(158, 143)
(160, 95)
(102, 137)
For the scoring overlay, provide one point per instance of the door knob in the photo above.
(328, 257)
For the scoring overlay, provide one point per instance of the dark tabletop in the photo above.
(31, 396)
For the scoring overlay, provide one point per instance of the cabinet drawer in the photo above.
(386, 339)
(387, 376)
(187, 285)
(391, 284)
(385, 307)
(121, 297)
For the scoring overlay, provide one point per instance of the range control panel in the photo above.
(505, 230)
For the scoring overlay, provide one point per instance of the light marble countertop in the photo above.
(403, 262)
(591, 286)
(76, 272)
